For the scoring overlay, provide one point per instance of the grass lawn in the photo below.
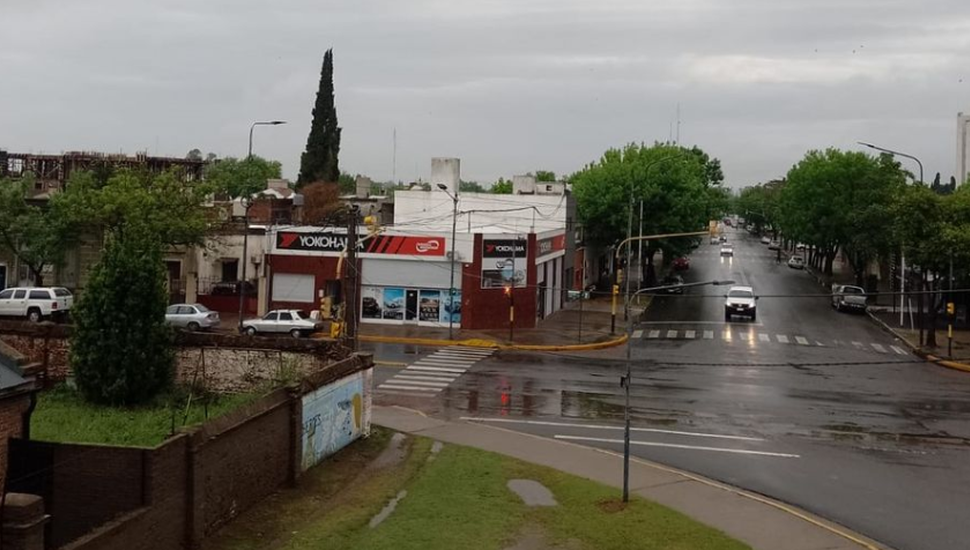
(459, 499)
(62, 415)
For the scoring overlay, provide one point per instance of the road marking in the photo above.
(749, 324)
(801, 340)
(392, 386)
(654, 334)
(858, 345)
(819, 344)
(671, 334)
(436, 369)
(690, 334)
(458, 355)
(764, 337)
(391, 364)
(898, 350)
(879, 348)
(726, 335)
(398, 392)
(408, 382)
(638, 334)
(445, 361)
(470, 352)
(676, 446)
(443, 378)
(782, 339)
(708, 334)
(607, 427)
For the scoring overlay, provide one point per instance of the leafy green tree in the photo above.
(545, 175)
(502, 187)
(319, 160)
(241, 177)
(679, 188)
(121, 348)
(346, 183)
(470, 187)
(194, 154)
(35, 235)
(842, 200)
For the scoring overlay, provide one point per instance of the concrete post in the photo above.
(23, 522)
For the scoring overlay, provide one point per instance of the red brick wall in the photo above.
(483, 309)
(11, 425)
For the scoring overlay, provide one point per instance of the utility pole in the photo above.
(350, 280)
(640, 247)
(950, 312)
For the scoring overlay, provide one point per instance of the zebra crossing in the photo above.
(749, 336)
(427, 376)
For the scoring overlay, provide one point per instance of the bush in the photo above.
(121, 350)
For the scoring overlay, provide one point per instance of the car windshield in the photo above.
(201, 308)
(852, 290)
(738, 293)
(62, 292)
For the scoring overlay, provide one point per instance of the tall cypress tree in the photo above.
(319, 161)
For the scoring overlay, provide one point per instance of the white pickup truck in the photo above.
(848, 297)
(36, 303)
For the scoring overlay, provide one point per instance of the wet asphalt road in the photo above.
(806, 405)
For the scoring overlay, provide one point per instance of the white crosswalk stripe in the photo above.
(858, 345)
(708, 334)
(433, 373)
(764, 337)
(782, 339)
(801, 340)
(898, 350)
(879, 348)
(750, 336)
(654, 334)
(671, 334)
(689, 334)
(638, 334)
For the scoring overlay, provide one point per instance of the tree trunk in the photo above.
(829, 260)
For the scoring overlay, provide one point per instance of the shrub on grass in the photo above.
(121, 350)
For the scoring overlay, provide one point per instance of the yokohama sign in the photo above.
(381, 244)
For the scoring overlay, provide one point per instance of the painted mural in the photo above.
(333, 417)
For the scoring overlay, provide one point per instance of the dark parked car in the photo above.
(675, 282)
(681, 264)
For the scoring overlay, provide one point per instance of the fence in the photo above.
(176, 494)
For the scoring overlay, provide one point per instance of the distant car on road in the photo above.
(766, 240)
(674, 282)
(727, 250)
(723, 239)
(36, 303)
(773, 245)
(740, 301)
(848, 298)
(800, 246)
(282, 321)
(192, 317)
(715, 239)
(681, 264)
(796, 262)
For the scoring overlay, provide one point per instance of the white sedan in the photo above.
(727, 250)
(282, 321)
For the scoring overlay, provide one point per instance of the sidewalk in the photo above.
(762, 523)
(960, 360)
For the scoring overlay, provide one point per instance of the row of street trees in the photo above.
(868, 208)
(680, 189)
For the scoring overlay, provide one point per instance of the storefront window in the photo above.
(394, 304)
(371, 302)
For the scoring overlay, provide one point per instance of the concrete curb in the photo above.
(917, 350)
(481, 343)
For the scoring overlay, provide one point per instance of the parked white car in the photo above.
(282, 321)
(192, 317)
(766, 240)
(796, 262)
(740, 301)
(36, 303)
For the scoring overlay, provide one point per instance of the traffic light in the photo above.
(616, 289)
(373, 224)
(950, 308)
(508, 291)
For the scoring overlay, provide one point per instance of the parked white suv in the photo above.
(36, 303)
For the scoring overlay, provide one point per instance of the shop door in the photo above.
(411, 306)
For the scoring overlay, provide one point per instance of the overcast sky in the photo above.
(509, 86)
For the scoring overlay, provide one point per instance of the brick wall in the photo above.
(11, 425)
(172, 496)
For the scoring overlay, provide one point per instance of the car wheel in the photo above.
(754, 316)
(193, 326)
(34, 315)
(251, 331)
(296, 333)
(727, 314)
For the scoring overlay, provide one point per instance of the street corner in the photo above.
(920, 352)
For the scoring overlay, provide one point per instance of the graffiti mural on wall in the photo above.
(333, 417)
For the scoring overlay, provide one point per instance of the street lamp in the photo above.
(253, 127)
(629, 373)
(891, 152)
(247, 203)
(451, 289)
(902, 255)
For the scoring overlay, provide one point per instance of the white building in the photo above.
(963, 148)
